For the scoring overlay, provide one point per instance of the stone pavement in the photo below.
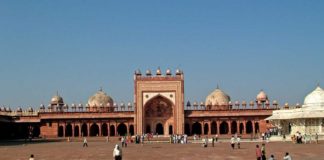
(100, 150)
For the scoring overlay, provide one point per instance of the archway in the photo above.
(158, 109)
(60, 131)
(249, 128)
(187, 129)
(256, 126)
(148, 129)
(112, 130)
(223, 128)
(241, 128)
(170, 130)
(122, 129)
(233, 127)
(76, 131)
(206, 129)
(196, 128)
(84, 130)
(94, 130)
(104, 129)
(213, 128)
(131, 130)
(68, 130)
(159, 129)
(36, 131)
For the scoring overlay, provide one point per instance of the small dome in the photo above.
(315, 98)
(158, 71)
(262, 96)
(148, 72)
(218, 97)
(99, 98)
(57, 100)
(19, 109)
(168, 72)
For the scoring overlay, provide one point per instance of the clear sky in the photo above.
(76, 47)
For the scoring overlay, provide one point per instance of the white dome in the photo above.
(315, 98)
(218, 97)
(100, 98)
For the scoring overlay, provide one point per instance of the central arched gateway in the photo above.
(159, 115)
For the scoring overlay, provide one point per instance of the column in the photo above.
(202, 128)
(108, 128)
(238, 127)
(64, 127)
(229, 127)
(244, 127)
(88, 124)
(73, 126)
(218, 126)
(209, 128)
(253, 127)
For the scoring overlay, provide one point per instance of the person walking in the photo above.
(263, 152)
(85, 142)
(238, 141)
(316, 138)
(233, 142)
(258, 152)
(287, 156)
(117, 153)
(213, 141)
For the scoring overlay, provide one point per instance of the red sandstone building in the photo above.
(158, 107)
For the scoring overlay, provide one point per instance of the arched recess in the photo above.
(122, 129)
(158, 109)
(206, 128)
(196, 128)
(131, 129)
(241, 128)
(112, 130)
(249, 127)
(84, 130)
(36, 131)
(60, 131)
(233, 127)
(68, 130)
(76, 131)
(94, 130)
(187, 129)
(170, 129)
(104, 129)
(213, 128)
(257, 128)
(223, 128)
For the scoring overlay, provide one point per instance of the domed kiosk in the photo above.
(218, 100)
(308, 119)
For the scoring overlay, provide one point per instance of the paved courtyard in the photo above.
(100, 150)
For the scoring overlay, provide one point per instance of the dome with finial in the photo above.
(99, 98)
(148, 72)
(57, 99)
(262, 96)
(158, 71)
(315, 98)
(168, 72)
(218, 97)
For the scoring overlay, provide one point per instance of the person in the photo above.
(205, 144)
(287, 156)
(117, 153)
(284, 137)
(238, 141)
(316, 138)
(272, 157)
(85, 142)
(263, 151)
(233, 142)
(216, 137)
(31, 157)
(213, 141)
(107, 139)
(258, 152)
(122, 141)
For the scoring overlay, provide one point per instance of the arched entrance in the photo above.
(170, 130)
(84, 130)
(233, 127)
(241, 128)
(68, 130)
(112, 130)
(131, 130)
(256, 126)
(159, 129)
(213, 128)
(206, 129)
(104, 129)
(60, 131)
(187, 129)
(196, 128)
(94, 130)
(158, 109)
(249, 128)
(223, 128)
(76, 131)
(36, 131)
(122, 129)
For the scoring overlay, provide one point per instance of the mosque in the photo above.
(158, 108)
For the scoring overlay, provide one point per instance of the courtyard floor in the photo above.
(101, 150)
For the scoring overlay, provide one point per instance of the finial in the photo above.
(217, 86)
(318, 84)
(57, 93)
(100, 89)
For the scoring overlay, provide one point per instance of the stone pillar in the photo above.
(244, 127)
(253, 127)
(108, 128)
(218, 127)
(100, 125)
(209, 128)
(73, 126)
(202, 128)
(64, 128)
(88, 124)
(238, 127)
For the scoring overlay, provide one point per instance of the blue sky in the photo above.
(75, 47)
